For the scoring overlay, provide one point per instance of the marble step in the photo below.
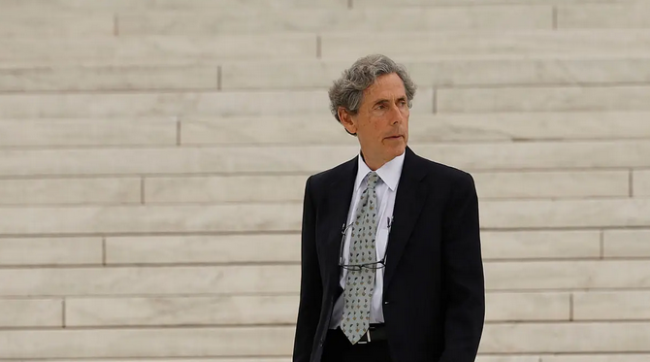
(426, 3)
(279, 188)
(148, 5)
(624, 98)
(610, 357)
(74, 191)
(138, 50)
(85, 78)
(330, 45)
(525, 338)
(30, 313)
(626, 243)
(324, 20)
(641, 183)
(442, 73)
(87, 132)
(33, 24)
(51, 251)
(323, 129)
(215, 103)
(303, 160)
(419, 45)
(605, 15)
(506, 276)
(543, 99)
(281, 309)
(286, 217)
(285, 248)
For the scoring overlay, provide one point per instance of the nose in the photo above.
(396, 115)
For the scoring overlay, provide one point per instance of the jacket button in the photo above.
(386, 303)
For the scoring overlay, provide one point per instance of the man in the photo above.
(391, 256)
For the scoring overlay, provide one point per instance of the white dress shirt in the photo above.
(389, 175)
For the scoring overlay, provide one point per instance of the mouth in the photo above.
(394, 137)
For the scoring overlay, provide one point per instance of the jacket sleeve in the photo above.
(463, 275)
(311, 290)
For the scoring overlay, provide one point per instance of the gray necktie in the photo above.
(360, 284)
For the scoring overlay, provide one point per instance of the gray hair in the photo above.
(347, 91)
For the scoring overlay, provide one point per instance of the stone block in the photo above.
(611, 306)
(51, 251)
(203, 249)
(88, 132)
(31, 313)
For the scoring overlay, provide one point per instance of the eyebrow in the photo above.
(402, 98)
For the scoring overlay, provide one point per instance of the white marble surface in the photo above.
(641, 183)
(279, 309)
(424, 129)
(49, 251)
(522, 307)
(607, 306)
(522, 245)
(306, 160)
(623, 357)
(150, 219)
(31, 313)
(605, 15)
(155, 49)
(532, 43)
(565, 337)
(544, 99)
(107, 78)
(147, 104)
(148, 5)
(150, 281)
(460, 72)
(280, 20)
(52, 26)
(567, 275)
(70, 191)
(285, 248)
(188, 249)
(627, 243)
(160, 131)
(587, 213)
(490, 185)
(178, 311)
(423, 3)
(152, 343)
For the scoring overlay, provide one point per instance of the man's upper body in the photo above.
(389, 175)
(430, 293)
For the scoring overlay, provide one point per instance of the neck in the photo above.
(373, 164)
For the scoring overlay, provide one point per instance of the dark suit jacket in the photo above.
(433, 296)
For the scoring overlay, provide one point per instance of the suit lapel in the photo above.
(339, 197)
(409, 200)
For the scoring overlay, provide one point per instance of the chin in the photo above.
(397, 149)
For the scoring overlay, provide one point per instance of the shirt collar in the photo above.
(389, 173)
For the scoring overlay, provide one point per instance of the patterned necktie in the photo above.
(360, 284)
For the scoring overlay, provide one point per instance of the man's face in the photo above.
(382, 121)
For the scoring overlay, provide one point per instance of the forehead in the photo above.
(387, 86)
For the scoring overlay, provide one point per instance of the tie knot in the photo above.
(373, 178)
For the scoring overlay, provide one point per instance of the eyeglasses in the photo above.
(379, 264)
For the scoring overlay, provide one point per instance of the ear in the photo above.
(347, 120)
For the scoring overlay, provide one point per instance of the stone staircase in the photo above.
(153, 155)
